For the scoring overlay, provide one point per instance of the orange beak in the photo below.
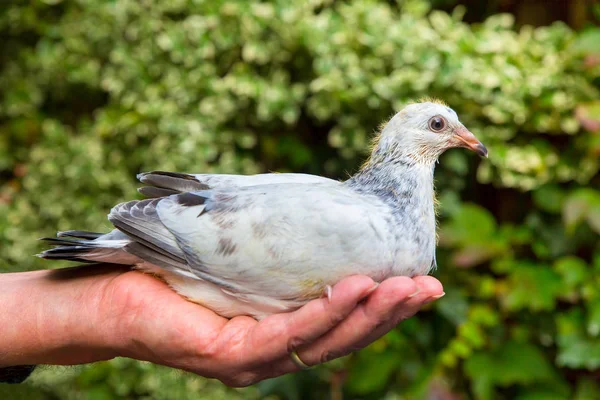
(467, 140)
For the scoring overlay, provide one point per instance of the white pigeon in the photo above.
(269, 243)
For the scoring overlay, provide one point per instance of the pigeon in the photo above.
(269, 243)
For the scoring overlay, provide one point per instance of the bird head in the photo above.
(423, 131)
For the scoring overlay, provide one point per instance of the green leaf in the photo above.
(472, 223)
(549, 198)
(498, 368)
(573, 270)
(370, 373)
(593, 319)
(588, 41)
(532, 286)
(575, 348)
(582, 204)
(473, 230)
(454, 307)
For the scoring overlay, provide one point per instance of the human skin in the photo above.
(94, 313)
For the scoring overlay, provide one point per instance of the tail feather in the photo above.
(90, 247)
(62, 242)
(68, 249)
(79, 234)
(71, 253)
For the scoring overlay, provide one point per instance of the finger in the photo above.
(430, 289)
(395, 299)
(280, 334)
(365, 318)
(427, 290)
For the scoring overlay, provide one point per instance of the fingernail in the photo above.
(327, 292)
(372, 289)
(433, 298)
(415, 293)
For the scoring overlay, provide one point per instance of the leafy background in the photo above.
(92, 92)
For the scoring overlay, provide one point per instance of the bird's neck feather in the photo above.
(399, 180)
(399, 169)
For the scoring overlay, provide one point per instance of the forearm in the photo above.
(45, 319)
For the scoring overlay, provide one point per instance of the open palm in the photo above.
(157, 325)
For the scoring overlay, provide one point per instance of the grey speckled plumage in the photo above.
(262, 244)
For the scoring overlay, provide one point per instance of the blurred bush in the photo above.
(92, 92)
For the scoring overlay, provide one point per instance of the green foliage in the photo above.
(512, 364)
(129, 379)
(93, 92)
(582, 205)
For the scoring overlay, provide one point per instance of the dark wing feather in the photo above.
(152, 241)
(172, 181)
(149, 255)
(153, 192)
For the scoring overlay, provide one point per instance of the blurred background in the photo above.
(93, 92)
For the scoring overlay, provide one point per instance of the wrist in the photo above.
(55, 317)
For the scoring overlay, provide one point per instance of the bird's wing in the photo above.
(288, 240)
(150, 239)
(161, 183)
(282, 238)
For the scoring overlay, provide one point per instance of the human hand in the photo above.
(127, 313)
(157, 325)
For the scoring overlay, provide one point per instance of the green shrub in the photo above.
(93, 92)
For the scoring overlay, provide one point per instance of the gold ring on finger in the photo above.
(298, 361)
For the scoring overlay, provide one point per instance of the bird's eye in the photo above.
(437, 124)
